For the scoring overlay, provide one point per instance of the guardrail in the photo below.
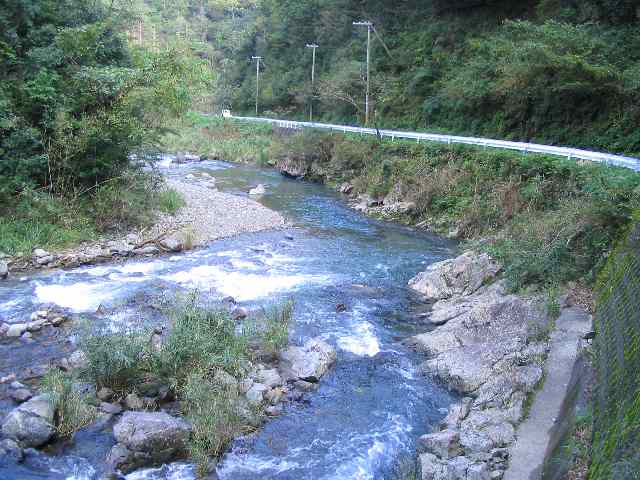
(568, 152)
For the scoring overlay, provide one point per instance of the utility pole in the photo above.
(313, 78)
(257, 80)
(369, 25)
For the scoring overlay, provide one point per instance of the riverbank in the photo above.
(204, 214)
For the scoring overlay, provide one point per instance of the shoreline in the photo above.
(208, 215)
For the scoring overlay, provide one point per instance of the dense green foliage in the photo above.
(616, 441)
(554, 71)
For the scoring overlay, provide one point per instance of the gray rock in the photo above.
(478, 471)
(256, 393)
(430, 468)
(309, 362)
(111, 408)
(306, 386)
(457, 413)
(173, 243)
(78, 360)
(16, 329)
(133, 402)
(459, 276)
(147, 250)
(4, 328)
(31, 424)
(36, 325)
(239, 313)
(4, 270)
(274, 396)
(39, 253)
(147, 439)
(20, 395)
(11, 449)
(444, 444)
(270, 378)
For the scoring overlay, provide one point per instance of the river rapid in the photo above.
(369, 409)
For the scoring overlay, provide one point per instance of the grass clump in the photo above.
(277, 320)
(71, 406)
(170, 201)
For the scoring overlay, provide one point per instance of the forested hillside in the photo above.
(556, 71)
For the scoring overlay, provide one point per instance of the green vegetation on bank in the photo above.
(81, 114)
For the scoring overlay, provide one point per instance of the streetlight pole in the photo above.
(313, 46)
(369, 25)
(257, 80)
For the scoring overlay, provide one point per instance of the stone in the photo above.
(430, 468)
(309, 362)
(292, 167)
(444, 444)
(11, 449)
(31, 423)
(147, 439)
(225, 380)
(173, 243)
(36, 326)
(478, 471)
(42, 313)
(459, 276)
(111, 408)
(496, 475)
(133, 402)
(105, 394)
(147, 250)
(305, 386)
(8, 378)
(27, 336)
(259, 190)
(16, 329)
(256, 393)
(273, 410)
(274, 396)
(341, 307)
(457, 413)
(4, 270)
(271, 378)
(39, 253)
(239, 313)
(346, 188)
(20, 395)
(4, 328)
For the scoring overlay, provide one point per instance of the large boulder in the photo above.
(463, 275)
(309, 362)
(293, 167)
(31, 424)
(146, 439)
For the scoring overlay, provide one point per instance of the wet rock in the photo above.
(16, 329)
(309, 362)
(36, 325)
(27, 336)
(8, 378)
(274, 396)
(20, 395)
(444, 444)
(111, 408)
(478, 471)
(42, 257)
(271, 378)
(457, 413)
(273, 410)
(463, 275)
(346, 188)
(305, 386)
(4, 328)
(133, 402)
(78, 360)
(259, 190)
(256, 393)
(341, 307)
(31, 424)
(146, 439)
(292, 167)
(11, 449)
(4, 270)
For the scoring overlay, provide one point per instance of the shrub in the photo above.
(72, 408)
(171, 201)
(115, 360)
(275, 333)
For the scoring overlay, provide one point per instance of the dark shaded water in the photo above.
(369, 409)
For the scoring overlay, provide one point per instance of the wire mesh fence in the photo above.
(616, 440)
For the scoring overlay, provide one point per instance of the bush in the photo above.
(171, 201)
(115, 360)
(72, 408)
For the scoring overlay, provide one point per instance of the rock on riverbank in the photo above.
(490, 347)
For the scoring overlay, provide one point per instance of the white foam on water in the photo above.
(253, 464)
(173, 471)
(363, 342)
(243, 264)
(230, 254)
(9, 305)
(241, 286)
(78, 297)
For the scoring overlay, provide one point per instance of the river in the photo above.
(368, 411)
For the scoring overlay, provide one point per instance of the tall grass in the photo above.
(170, 201)
(72, 408)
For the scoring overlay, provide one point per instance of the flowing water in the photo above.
(369, 409)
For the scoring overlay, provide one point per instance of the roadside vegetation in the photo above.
(201, 361)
